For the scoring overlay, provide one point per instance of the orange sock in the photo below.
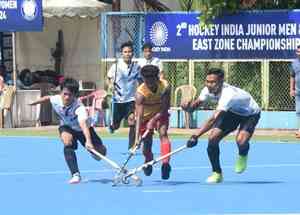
(165, 148)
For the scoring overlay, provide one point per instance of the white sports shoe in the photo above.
(75, 178)
(215, 178)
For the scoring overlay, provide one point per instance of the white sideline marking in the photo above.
(263, 214)
(50, 172)
(249, 166)
(175, 168)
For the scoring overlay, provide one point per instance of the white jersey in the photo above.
(69, 115)
(125, 80)
(153, 61)
(232, 99)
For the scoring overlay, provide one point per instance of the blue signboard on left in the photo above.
(21, 15)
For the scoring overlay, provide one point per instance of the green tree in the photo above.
(215, 8)
(247, 75)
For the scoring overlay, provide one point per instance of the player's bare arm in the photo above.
(193, 141)
(166, 99)
(165, 106)
(161, 75)
(192, 105)
(41, 100)
(207, 125)
(87, 134)
(292, 86)
(139, 111)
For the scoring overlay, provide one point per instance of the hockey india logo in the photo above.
(29, 9)
(158, 33)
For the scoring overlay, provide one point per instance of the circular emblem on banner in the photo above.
(29, 9)
(158, 33)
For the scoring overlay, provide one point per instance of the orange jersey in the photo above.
(152, 101)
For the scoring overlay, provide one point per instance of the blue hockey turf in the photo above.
(33, 180)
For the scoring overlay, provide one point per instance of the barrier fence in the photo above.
(266, 80)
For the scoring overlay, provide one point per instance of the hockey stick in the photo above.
(133, 151)
(116, 167)
(153, 162)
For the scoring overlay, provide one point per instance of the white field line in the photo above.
(58, 172)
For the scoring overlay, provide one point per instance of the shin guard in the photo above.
(243, 148)
(131, 137)
(165, 148)
(71, 159)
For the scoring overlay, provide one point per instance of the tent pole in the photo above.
(15, 117)
(14, 59)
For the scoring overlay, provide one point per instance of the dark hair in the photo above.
(3, 67)
(3, 71)
(26, 77)
(149, 71)
(147, 46)
(23, 73)
(216, 71)
(127, 44)
(71, 84)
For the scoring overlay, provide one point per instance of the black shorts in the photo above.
(79, 136)
(122, 111)
(229, 121)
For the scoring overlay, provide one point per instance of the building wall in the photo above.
(268, 119)
(128, 5)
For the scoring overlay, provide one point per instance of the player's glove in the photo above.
(193, 141)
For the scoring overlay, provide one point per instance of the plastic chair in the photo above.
(188, 93)
(9, 93)
(95, 111)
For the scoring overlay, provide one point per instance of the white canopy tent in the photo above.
(71, 8)
(79, 22)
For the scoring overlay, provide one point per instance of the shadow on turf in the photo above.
(178, 183)
(174, 183)
(138, 154)
(157, 182)
(102, 181)
(253, 182)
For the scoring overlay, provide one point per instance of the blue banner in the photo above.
(21, 15)
(246, 35)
